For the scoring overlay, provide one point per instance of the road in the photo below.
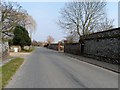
(46, 68)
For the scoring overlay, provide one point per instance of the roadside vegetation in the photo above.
(29, 50)
(21, 37)
(9, 69)
(17, 25)
(13, 15)
(0, 78)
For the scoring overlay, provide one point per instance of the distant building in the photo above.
(119, 14)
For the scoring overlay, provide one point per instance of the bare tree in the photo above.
(9, 17)
(82, 17)
(69, 39)
(12, 14)
(72, 38)
(30, 24)
(34, 43)
(50, 39)
(105, 25)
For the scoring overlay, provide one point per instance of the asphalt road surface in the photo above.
(46, 68)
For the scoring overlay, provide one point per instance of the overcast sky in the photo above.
(46, 15)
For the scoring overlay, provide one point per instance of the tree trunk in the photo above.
(22, 47)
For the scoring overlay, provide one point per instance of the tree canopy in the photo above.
(21, 37)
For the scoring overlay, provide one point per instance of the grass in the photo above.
(9, 69)
(0, 57)
(0, 78)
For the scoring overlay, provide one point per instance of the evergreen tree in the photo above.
(21, 37)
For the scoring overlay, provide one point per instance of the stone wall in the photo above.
(12, 48)
(4, 49)
(73, 48)
(53, 46)
(103, 46)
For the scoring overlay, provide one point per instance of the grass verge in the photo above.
(9, 69)
(0, 78)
